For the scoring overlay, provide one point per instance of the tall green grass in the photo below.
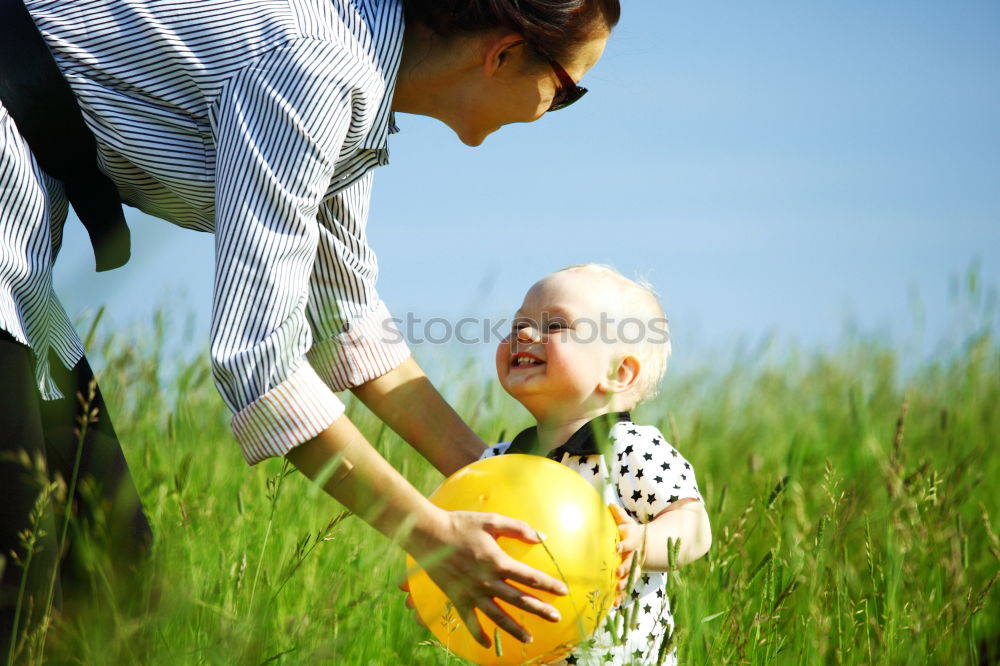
(854, 514)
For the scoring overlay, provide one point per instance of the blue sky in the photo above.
(779, 168)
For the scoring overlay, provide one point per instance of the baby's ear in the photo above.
(623, 376)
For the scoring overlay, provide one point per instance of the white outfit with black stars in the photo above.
(643, 474)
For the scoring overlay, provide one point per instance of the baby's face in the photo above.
(559, 354)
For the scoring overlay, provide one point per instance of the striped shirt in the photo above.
(260, 121)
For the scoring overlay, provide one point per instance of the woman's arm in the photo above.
(406, 401)
(472, 571)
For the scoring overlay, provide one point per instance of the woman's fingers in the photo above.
(519, 572)
(516, 597)
(520, 599)
(487, 605)
(477, 572)
(471, 623)
(498, 526)
(486, 602)
(503, 620)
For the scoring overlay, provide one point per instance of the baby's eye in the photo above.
(557, 325)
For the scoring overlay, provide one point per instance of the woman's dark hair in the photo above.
(552, 27)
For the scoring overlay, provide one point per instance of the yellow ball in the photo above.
(580, 549)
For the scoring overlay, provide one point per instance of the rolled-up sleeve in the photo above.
(356, 339)
(279, 128)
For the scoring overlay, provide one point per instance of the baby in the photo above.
(586, 346)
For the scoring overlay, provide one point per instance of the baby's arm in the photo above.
(685, 519)
(656, 486)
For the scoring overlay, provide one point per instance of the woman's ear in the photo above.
(499, 49)
(623, 376)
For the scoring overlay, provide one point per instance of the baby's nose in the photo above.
(527, 333)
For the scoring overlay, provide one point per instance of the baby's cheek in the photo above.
(500, 359)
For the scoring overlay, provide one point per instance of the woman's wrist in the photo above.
(428, 533)
(351, 471)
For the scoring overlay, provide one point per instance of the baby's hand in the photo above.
(631, 535)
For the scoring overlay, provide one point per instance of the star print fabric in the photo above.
(648, 473)
(643, 474)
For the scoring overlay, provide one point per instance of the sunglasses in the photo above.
(568, 91)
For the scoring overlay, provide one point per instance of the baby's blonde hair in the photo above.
(639, 300)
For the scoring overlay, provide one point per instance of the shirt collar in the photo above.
(587, 441)
(387, 49)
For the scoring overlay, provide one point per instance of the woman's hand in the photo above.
(458, 549)
(462, 557)
(632, 536)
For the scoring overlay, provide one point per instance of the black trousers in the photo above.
(39, 443)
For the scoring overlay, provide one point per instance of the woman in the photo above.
(261, 121)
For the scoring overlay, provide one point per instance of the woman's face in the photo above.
(520, 90)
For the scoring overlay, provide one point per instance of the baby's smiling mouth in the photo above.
(523, 360)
